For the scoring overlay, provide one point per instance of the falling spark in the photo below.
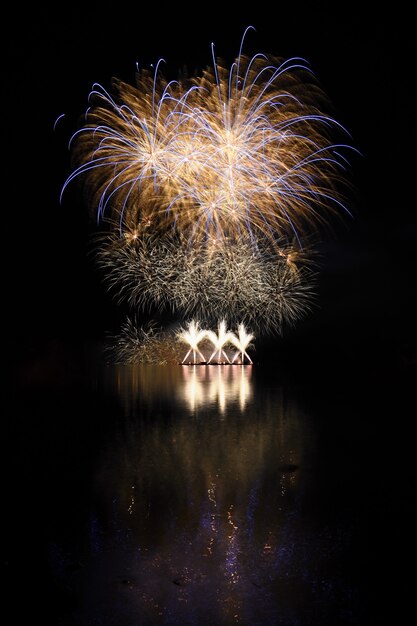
(266, 290)
(232, 152)
(207, 188)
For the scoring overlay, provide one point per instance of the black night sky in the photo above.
(363, 55)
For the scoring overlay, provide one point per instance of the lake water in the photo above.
(200, 495)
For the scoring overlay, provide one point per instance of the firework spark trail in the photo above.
(192, 336)
(242, 341)
(244, 150)
(263, 290)
(207, 188)
(219, 341)
(136, 343)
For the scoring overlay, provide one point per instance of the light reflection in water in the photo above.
(197, 386)
(215, 385)
(197, 499)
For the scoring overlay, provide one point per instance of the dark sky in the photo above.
(363, 62)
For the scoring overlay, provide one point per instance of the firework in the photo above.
(207, 189)
(242, 341)
(152, 345)
(232, 152)
(219, 340)
(263, 289)
(192, 336)
(147, 344)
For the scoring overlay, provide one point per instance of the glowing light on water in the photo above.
(221, 386)
(192, 391)
(244, 386)
(232, 551)
(218, 388)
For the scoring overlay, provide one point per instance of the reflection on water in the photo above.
(197, 386)
(219, 385)
(199, 510)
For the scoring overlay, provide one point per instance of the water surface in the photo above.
(193, 495)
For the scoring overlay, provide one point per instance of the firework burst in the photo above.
(233, 152)
(147, 344)
(264, 289)
(207, 188)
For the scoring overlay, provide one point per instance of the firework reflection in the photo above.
(203, 503)
(220, 385)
